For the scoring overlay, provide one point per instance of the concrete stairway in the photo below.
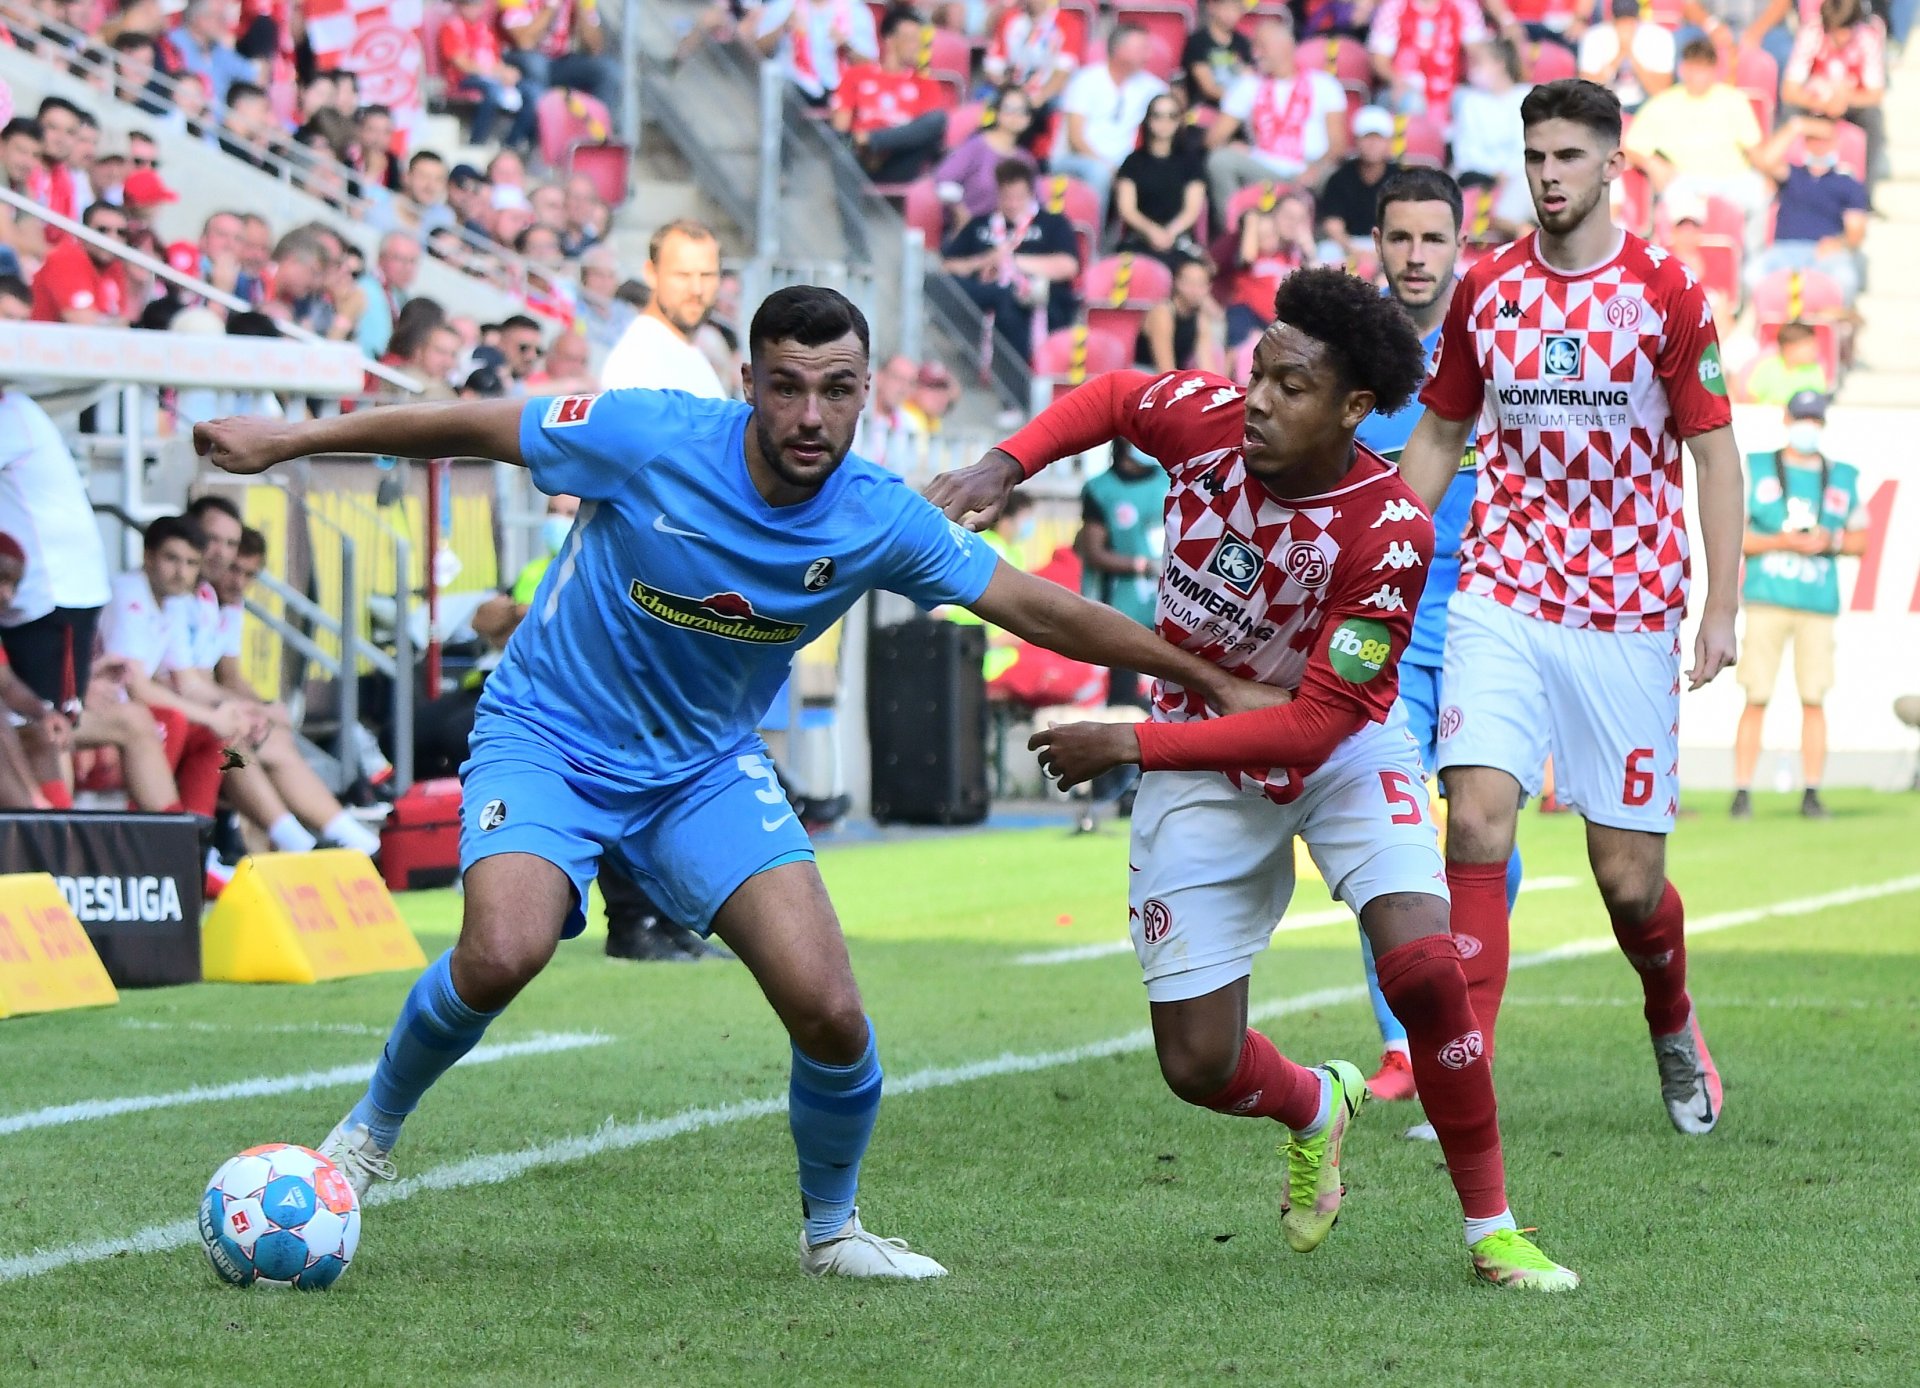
(1888, 373)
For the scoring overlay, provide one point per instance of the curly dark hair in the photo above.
(1368, 335)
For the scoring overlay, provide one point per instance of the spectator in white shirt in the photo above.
(657, 350)
(1632, 56)
(814, 37)
(1295, 122)
(1104, 104)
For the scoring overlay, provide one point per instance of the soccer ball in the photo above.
(280, 1216)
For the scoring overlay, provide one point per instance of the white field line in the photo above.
(91, 1110)
(1307, 920)
(261, 1029)
(494, 1168)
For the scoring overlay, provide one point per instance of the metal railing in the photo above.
(319, 176)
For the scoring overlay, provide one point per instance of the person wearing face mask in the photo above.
(1803, 512)
(1822, 218)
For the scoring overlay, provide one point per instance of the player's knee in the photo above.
(833, 1030)
(1630, 888)
(493, 963)
(1479, 829)
(1196, 1068)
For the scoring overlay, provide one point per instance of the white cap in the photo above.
(1372, 120)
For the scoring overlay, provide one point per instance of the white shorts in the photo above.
(1605, 705)
(1212, 866)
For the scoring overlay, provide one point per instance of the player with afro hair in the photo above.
(1295, 557)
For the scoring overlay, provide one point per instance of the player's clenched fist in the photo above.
(240, 445)
(1074, 753)
(974, 496)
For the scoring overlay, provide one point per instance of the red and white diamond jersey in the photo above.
(1313, 595)
(1589, 382)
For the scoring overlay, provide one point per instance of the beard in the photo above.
(776, 459)
(1577, 210)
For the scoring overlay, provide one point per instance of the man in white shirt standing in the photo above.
(48, 629)
(657, 350)
(1295, 122)
(1104, 104)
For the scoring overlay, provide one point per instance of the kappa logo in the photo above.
(1509, 308)
(819, 575)
(1560, 356)
(1183, 390)
(1306, 565)
(1225, 395)
(1396, 509)
(492, 815)
(1238, 563)
(568, 411)
(1400, 554)
(1155, 920)
(1214, 482)
(1462, 1051)
(1386, 597)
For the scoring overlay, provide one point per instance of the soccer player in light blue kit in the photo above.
(714, 539)
(1417, 236)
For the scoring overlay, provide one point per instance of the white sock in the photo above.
(349, 832)
(1397, 1048)
(287, 835)
(1478, 1229)
(217, 868)
(1326, 1106)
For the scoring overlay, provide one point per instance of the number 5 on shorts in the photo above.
(1397, 786)
(1638, 787)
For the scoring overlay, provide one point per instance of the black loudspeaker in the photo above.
(927, 722)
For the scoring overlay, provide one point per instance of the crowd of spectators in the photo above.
(1252, 138)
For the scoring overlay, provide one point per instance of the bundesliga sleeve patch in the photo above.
(567, 411)
(1359, 649)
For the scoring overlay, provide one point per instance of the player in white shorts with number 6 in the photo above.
(1594, 356)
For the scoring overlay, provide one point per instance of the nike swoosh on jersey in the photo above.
(660, 524)
(771, 824)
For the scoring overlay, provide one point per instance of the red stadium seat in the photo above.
(606, 166)
(1069, 198)
(569, 118)
(1418, 140)
(1789, 294)
(1255, 195)
(1851, 142)
(1720, 261)
(924, 209)
(1119, 291)
(1550, 62)
(963, 121)
(1724, 218)
(1633, 201)
(1168, 23)
(943, 52)
(1072, 356)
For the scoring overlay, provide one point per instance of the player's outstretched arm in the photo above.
(1432, 455)
(1723, 523)
(453, 429)
(1046, 614)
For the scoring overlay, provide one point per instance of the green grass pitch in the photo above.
(619, 1209)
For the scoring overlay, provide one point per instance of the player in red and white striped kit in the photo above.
(1296, 558)
(1594, 355)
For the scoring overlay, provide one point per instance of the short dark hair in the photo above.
(94, 208)
(1418, 183)
(809, 315)
(212, 501)
(253, 545)
(376, 109)
(1368, 335)
(424, 156)
(174, 528)
(1793, 332)
(1575, 99)
(1698, 51)
(238, 91)
(519, 320)
(1011, 171)
(21, 125)
(60, 103)
(894, 18)
(132, 43)
(13, 287)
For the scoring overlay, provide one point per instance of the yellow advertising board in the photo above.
(303, 918)
(46, 960)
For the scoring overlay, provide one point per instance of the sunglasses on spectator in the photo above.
(140, 163)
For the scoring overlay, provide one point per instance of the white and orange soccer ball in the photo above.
(280, 1216)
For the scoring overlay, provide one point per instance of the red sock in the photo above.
(1657, 947)
(1268, 1085)
(57, 794)
(198, 774)
(1426, 987)
(1481, 931)
(175, 808)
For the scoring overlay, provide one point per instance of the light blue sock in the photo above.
(1393, 1036)
(831, 1109)
(1513, 880)
(435, 1029)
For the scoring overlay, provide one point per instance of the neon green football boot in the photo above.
(1312, 1201)
(1508, 1258)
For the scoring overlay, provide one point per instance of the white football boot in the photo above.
(358, 1156)
(853, 1252)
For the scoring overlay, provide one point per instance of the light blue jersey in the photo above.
(1387, 435)
(621, 719)
(662, 630)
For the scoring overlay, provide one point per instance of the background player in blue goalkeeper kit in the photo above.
(714, 539)
(1417, 236)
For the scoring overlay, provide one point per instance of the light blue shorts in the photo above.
(1420, 697)
(688, 846)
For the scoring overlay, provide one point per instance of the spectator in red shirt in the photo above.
(1418, 47)
(83, 285)
(470, 53)
(22, 239)
(892, 112)
(1273, 244)
(1838, 69)
(54, 185)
